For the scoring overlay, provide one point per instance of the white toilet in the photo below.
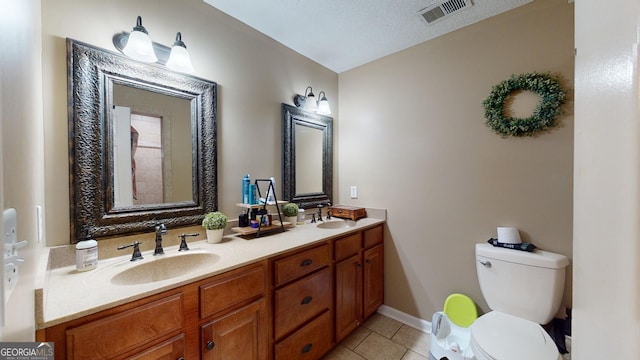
(524, 289)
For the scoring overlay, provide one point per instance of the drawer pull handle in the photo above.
(307, 348)
(306, 300)
(210, 345)
(306, 262)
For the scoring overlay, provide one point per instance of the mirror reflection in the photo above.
(152, 140)
(308, 159)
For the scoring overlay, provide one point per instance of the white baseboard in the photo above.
(414, 322)
(424, 325)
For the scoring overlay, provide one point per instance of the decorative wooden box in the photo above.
(348, 212)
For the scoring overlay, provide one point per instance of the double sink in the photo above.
(179, 264)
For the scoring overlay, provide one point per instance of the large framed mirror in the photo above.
(142, 145)
(307, 157)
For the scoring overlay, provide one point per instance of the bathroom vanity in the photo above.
(291, 295)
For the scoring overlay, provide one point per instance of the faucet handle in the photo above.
(161, 228)
(183, 241)
(136, 250)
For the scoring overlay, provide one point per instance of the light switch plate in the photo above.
(354, 192)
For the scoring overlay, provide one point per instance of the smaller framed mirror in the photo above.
(307, 157)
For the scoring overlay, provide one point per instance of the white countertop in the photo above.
(65, 294)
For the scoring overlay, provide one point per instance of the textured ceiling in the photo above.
(343, 34)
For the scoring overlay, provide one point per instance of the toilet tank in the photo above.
(528, 285)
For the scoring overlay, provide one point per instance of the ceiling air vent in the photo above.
(442, 9)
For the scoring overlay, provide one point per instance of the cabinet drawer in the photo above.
(117, 334)
(373, 236)
(310, 342)
(300, 264)
(301, 301)
(347, 246)
(231, 289)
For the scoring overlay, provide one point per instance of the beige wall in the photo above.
(607, 208)
(411, 136)
(21, 140)
(254, 75)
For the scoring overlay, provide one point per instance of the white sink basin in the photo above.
(337, 224)
(163, 268)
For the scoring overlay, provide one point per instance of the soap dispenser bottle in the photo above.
(86, 254)
(246, 181)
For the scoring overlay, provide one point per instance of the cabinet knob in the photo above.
(359, 265)
(306, 262)
(210, 345)
(306, 300)
(180, 358)
(307, 348)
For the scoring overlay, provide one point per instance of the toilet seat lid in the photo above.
(503, 336)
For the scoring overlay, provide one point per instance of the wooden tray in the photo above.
(348, 212)
(248, 230)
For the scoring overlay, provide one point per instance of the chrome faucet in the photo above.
(161, 229)
(183, 241)
(320, 212)
(136, 250)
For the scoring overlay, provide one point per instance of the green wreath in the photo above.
(543, 117)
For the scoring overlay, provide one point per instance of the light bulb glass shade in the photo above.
(139, 47)
(323, 104)
(310, 104)
(179, 60)
(309, 100)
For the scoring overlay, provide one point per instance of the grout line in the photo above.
(363, 339)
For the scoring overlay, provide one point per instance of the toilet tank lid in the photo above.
(539, 258)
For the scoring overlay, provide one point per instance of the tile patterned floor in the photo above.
(383, 338)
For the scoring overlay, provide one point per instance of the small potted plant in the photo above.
(214, 223)
(290, 212)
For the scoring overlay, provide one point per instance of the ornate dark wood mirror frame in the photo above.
(292, 117)
(91, 75)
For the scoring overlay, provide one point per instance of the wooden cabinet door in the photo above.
(348, 285)
(172, 349)
(242, 335)
(373, 287)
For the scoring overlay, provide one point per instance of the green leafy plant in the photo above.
(214, 221)
(290, 209)
(546, 85)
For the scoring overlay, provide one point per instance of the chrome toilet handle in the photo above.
(486, 263)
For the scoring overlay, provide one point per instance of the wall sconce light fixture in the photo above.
(179, 58)
(323, 104)
(138, 46)
(308, 102)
